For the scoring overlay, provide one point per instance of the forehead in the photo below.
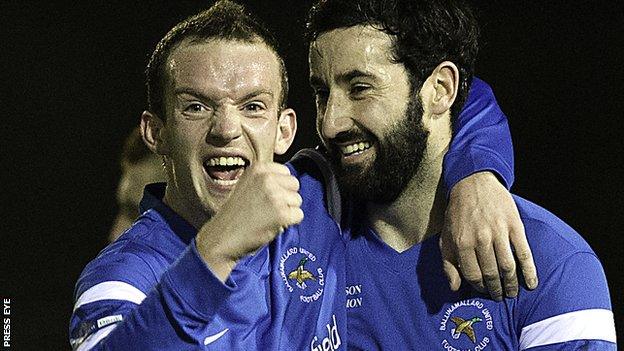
(361, 48)
(223, 68)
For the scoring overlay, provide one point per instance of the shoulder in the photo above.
(311, 167)
(138, 257)
(318, 185)
(121, 276)
(551, 239)
(566, 264)
(322, 203)
(570, 274)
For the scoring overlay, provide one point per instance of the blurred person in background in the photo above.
(139, 167)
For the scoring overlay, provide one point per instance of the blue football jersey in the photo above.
(402, 301)
(151, 290)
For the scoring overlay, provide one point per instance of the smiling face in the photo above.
(222, 103)
(368, 117)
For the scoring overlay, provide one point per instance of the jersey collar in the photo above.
(152, 199)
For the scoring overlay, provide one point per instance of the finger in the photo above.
(469, 267)
(292, 199)
(287, 182)
(525, 257)
(449, 262)
(507, 267)
(489, 270)
(452, 274)
(277, 168)
(294, 216)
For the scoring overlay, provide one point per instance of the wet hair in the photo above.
(425, 32)
(225, 20)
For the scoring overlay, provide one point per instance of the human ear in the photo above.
(152, 129)
(286, 130)
(445, 83)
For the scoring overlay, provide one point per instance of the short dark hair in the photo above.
(224, 20)
(426, 33)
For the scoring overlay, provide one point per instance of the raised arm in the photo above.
(120, 307)
(482, 225)
(136, 296)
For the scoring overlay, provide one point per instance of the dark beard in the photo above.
(399, 155)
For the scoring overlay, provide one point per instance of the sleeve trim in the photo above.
(111, 290)
(591, 324)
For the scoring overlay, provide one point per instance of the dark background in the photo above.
(72, 88)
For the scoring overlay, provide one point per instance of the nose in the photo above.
(335, 118)
(225, 126)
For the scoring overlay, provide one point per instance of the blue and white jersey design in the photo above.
(151, 290)
(402, 301)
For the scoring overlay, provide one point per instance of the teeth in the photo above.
(226, 161)
(356, 147)
(225, 182)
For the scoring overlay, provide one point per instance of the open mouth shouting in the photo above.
(225, 171)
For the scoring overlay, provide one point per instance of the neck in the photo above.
(196, 218)
(417, 213)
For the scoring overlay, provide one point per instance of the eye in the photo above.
(195, 108)
(359, 88)
(254, 107)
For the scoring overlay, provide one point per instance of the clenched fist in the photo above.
(264, 202)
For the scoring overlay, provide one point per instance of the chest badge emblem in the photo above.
(464, 327)
(300, 274)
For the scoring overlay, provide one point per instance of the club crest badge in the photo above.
(301, 274)
(466, 325)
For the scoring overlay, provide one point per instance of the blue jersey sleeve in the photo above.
(481, 140)
(570, 310)
(189, 308)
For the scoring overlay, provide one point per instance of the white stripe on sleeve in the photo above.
(594, 324)
(113, 290)
(92, 340)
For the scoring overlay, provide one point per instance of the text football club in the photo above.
(300, 273)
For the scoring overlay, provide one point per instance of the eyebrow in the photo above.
(191, 91)
(257, 93)
(316, 81)
(355, 73)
